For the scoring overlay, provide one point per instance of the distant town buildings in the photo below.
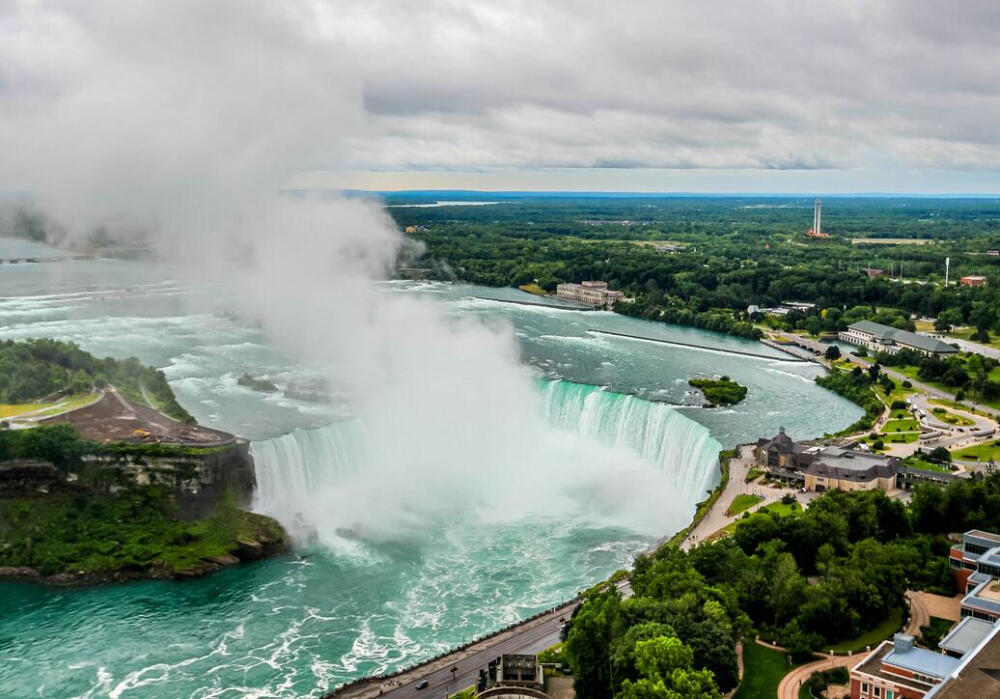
(993, 253)
(873, 272)
(883, 338)
(972, 280)
(591, 292)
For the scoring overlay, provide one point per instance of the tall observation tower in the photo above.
(818, 218)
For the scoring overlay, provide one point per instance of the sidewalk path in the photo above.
(924, 605)
(793, 681)
(715, 519)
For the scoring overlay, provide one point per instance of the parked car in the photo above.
(422, 684)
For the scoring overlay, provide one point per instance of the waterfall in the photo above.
(590, 438)
(656, 432)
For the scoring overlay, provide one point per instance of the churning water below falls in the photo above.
(391, 567)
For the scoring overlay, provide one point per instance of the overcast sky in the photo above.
(695, 96)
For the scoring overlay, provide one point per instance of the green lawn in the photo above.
(47, 409)
(951, 418)
(763, 669)
(753, 474)
(900, 437)
(955, 405)
(12, 409)
(966, 333)
(741, 503)
(891, 624)
(910, 372)
(777, 508)
(907, 425)
(914, 462)
(990, 451)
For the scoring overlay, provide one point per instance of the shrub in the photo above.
(940, 455)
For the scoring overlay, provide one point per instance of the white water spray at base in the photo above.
(609, 460)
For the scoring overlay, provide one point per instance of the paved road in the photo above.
(966, 346)
(529, 637)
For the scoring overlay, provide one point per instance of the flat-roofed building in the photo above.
(897, 669)
(966, 635)
(977, 675)
(973, 280)
(883, 338)
(983, 601)
(965, 559)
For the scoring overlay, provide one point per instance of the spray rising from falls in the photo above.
(609, 458)
(673, 443)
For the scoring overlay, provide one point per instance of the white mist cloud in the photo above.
(181, 121)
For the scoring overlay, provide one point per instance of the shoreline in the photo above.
(245, 551)
(375, 686)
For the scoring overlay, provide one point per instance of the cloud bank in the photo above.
(490, 85)
(765, 85)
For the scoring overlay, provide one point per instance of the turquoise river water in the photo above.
(350, 604)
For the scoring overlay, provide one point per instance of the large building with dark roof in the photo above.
(825, 467)
(883, 338)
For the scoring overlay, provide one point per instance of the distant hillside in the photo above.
(33, 370)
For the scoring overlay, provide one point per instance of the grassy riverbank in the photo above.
(133, 533)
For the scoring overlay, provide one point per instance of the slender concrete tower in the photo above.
(818, 217)
(947, 269)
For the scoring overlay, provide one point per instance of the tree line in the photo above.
(806, 580)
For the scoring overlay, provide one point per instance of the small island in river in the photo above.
(105, 477)
(721, 391)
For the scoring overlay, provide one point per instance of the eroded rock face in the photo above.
(199, 478)
(29, 478)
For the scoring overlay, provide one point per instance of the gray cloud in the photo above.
(689, 85)
(499, 84)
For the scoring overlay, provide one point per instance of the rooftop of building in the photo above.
(980, 534)
(872, 665)
(966, 635)
(885, 333)
(907, 656)
(984, 596)
(780, 441)
(849, 464)
(978, 578)
(978, 673)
